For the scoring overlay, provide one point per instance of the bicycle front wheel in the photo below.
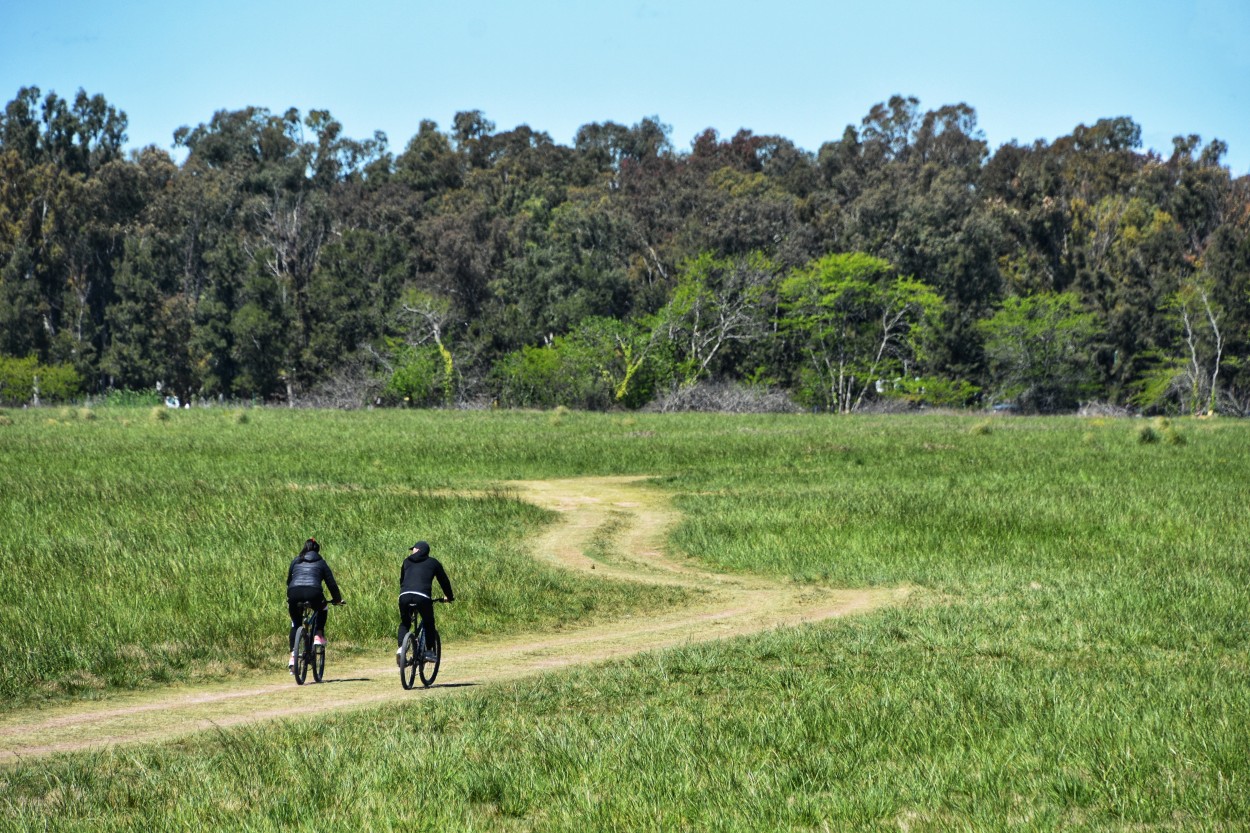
(319, 662)
(408, 662)
(429, 668)
(303, 653)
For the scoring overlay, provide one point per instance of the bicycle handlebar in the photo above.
(313, 605)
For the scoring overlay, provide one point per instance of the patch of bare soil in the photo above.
(636, 518)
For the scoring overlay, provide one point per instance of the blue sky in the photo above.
(803, 70)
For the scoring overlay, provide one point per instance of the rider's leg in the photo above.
(406, 612)
(323, 612)
(295, 598)
(405, 622)
(426, 608)
(293, 607)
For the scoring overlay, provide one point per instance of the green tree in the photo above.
(1039, 350)
(260, 346)
(147, 343)
(858, 325)
(717, 302)
(631, 356)
(428, 164)
(424, 318)
(905, 187)
(26, 381)
(354, 286)
(1188, 377)
(64, 203)
(417, 377)
(604, 363)
(571, 268)
(562, 372)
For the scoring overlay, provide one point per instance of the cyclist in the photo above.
(303, 584)
(416, 582)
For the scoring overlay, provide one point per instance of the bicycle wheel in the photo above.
(429, 668)
(319, 662)
(408, 671)
(303, 653)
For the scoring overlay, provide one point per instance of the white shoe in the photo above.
(290, 663)
(399, 657)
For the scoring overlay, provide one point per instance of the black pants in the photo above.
(409, 606)
(295, 598)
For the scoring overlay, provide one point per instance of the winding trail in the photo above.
(630, 515)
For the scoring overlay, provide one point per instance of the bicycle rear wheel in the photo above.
(429, 668)
(408, 656)
(303, 653)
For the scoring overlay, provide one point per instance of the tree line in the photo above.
(904, 262)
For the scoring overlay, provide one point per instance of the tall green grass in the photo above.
(860, 725)
(141, 550)
(1075, 655)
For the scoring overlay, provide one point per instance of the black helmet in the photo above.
(421, 547)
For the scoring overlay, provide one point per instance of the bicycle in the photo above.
(307, 652)
(413, 653)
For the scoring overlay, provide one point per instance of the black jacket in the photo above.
(309, 570)
(418, 573)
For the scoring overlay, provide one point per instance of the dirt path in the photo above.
(632, 516)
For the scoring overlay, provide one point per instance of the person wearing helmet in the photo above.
(416, 584)
(303, 584)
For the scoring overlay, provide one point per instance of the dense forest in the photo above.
(901, 264)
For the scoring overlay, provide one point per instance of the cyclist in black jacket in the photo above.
(303, 584)
(416, 583)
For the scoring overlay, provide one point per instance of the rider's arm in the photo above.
(444, 582)
(335, 596)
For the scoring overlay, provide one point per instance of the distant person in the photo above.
(303, 584)
(416, 583)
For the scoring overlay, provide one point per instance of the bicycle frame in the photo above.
(413, 651)
(306, 652)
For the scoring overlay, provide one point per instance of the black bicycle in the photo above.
(308, 654)
(416, 658)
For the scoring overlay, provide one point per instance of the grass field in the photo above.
(1076, 657)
